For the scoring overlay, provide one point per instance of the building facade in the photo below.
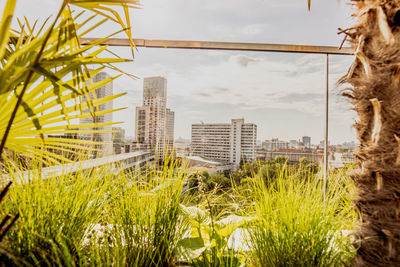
(182, 148)
(118, 138)
(292, 143)
(292, 155)
(105, 149)
(169, 129)
(225, 142)
(154, 122)
(275, 144)
(306, 141)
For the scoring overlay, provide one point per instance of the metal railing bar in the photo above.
(233, 46)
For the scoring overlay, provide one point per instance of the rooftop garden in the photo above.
(265, 214)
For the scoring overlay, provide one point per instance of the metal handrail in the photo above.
(234, 46)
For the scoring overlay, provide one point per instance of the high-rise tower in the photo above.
(154, 124)
(106, 148)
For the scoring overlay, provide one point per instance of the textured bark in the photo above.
(375, 93)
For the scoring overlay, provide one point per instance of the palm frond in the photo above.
(45, 78)
(5, 25)
(106, 9)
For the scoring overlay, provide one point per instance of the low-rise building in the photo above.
(293, 155)
(182, 147)
(275, 144)
(306, 141)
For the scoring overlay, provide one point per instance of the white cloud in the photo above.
(253, 29)
(249, 80)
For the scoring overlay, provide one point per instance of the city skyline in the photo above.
(282, 93)
(297, 135)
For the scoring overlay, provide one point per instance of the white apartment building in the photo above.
(225, 142)
(106, 149)
(154, 122)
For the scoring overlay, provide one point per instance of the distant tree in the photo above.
(304, 161)
(237, 176)
(193, 182)
(206, 175)
(251, 168)
(218, 180)
(281, 159)
(227, 173)
(313, 167)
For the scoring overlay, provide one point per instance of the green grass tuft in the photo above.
(296, 227)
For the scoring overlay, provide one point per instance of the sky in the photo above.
(282, 93)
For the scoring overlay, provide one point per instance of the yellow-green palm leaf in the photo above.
(45, 77)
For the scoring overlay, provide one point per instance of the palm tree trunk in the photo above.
(375, 93)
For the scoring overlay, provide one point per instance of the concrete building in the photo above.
(292, 143)
(322, 144)
(118, 138)
(349, 145)
(169, 128)
(72, 153)
(293, 155)
(225, 142)
(135, 146)
(182, 147)
(105, 149)
(275, 144)
(306, 141)
(154, 122)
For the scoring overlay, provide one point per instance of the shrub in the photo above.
(218, 180)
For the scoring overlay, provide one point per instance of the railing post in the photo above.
(326, 140)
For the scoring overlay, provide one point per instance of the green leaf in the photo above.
(226, 226)
(195, 216)
(189, 248)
